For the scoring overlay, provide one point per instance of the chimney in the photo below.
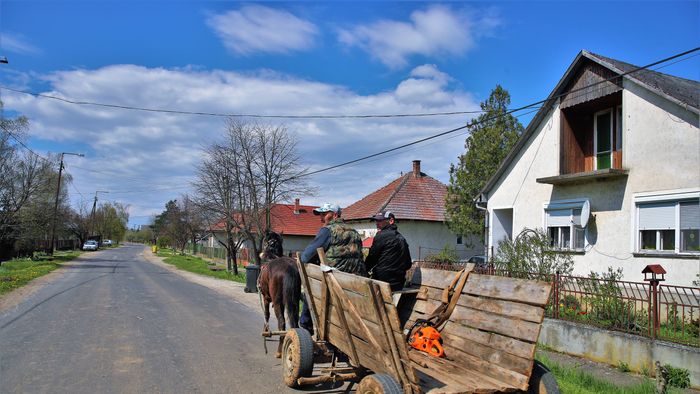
(416, 168)
(296, 206)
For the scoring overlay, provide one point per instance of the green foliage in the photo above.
(606, 306)
(531, 252)
(678, 377)
(623, 366)
(17, 273)
(572, 380)
(163, 242)
(492, 135)
(447, 255)
(197, 265)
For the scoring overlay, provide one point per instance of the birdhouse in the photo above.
(654, 270)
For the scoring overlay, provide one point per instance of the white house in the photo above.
(622, 143)
(418, 202)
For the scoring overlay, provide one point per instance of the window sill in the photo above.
(667, 255)
(569, 251)
(583, 177)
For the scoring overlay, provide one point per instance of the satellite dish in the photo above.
(585, 213)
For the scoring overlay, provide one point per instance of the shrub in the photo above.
(446, 256)
(163, 242)
(678, 377)
(531, 252)
(623, 366)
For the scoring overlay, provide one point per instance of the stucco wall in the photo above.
(426, 238)
(661, 150)
(614, 347)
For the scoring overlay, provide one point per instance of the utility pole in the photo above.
(92, 215)
(55, 207)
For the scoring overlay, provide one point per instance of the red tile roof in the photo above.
(286, 221)
(408, 197)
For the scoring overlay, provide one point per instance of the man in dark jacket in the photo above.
(389, 257)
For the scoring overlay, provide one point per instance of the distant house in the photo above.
(621, 144)
(418, 202)
(295, 222)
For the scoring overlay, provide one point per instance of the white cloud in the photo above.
(436, 31)
(18, 44)
(147, 158)
(256, 28)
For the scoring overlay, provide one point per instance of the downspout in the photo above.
(481, 205)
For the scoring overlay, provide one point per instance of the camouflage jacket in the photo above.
(345, 248)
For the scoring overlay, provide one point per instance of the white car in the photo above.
(107, 242)
(90, 245)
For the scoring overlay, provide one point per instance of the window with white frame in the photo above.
(668, 225)
(563, 224)
(603, 139)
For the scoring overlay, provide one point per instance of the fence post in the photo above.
(655, 287)
(556, 294)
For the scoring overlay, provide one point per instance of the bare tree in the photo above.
(252, 168)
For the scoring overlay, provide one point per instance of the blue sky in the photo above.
(297, 58)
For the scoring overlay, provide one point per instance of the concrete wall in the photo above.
(661, 150)
(425, 238)
(614, 347)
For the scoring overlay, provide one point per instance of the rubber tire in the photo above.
(542, 380)
(297, 356)
(379, 384)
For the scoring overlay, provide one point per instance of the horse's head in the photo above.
(272, 245)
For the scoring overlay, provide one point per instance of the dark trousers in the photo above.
(305, 319)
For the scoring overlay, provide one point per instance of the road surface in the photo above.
(113, 322)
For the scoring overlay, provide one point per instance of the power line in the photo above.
(217, 114)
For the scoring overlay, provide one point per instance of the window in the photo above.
(563, 224)
(459, 240)
(670, 226)
(603, 128)
(618, 129)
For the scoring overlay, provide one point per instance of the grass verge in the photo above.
(17, 273)
(198, 266)
(572, 380)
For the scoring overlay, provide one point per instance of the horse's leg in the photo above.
(279, 313)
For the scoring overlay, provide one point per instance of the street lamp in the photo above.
(58, 190)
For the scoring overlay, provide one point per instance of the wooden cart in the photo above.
(489, 338)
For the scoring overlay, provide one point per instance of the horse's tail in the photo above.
(292, 295)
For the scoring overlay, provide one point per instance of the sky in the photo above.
(297, 58)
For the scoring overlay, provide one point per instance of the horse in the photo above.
(279, 284)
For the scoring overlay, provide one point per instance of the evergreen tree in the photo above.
(492, 135)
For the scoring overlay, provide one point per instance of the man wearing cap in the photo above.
(389, 257)
(343, 247)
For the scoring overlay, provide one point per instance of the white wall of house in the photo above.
(425, 238)
(296, 243)
(661, 150)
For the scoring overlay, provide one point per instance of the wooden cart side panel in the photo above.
(511, 289)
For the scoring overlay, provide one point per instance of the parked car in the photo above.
(90, 245)
(479, 261)
(107, 242)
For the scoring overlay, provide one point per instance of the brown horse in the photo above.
(280, 284)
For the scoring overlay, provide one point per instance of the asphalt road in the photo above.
(112, 322)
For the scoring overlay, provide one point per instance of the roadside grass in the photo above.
(17, 273)
(198, 266)
(571, 380)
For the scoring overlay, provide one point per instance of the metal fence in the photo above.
(660, 311)
(216, 253)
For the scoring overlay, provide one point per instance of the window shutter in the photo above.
(576, 217)
(558, 218)
(657, 216)
(690, 215)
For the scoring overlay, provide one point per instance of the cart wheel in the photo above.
(379, 384)
(542, 380)
(297, 356)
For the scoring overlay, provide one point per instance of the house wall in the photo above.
(425, 238)
(661, 150)
(295, 243)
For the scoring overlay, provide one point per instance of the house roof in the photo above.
(286, 221)
(683, 92)
(409, 197)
